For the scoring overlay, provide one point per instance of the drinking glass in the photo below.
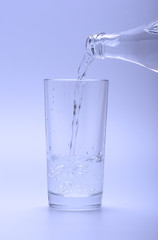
(75, 117)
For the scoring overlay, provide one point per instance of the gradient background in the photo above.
(45, 39)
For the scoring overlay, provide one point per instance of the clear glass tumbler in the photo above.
(75, 115)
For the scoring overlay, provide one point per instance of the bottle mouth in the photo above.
(94, 45)
(90, 43)
(93, 42)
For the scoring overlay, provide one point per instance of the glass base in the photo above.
(74, 203)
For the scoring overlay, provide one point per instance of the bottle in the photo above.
(139, 45)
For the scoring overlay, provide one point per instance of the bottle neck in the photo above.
(109, 46)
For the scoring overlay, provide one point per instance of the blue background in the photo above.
(45, 39)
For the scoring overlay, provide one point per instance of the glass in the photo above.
(75, 115)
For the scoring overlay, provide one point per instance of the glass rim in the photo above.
(76, 80)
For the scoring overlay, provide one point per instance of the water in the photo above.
(81, 177)
(78, 96)
(83, 67)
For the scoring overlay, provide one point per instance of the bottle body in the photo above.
(138, 45)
